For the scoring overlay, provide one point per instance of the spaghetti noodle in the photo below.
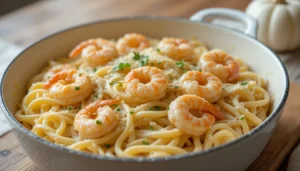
(156, 99)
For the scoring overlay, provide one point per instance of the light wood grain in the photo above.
(33, 22)
(29, 24)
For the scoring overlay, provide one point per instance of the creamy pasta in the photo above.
(142, 97)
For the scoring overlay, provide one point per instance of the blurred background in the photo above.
(25, 21)
(8, 6)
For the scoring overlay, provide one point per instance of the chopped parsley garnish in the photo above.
(197, 69)
(131, 112)
(112, 83)
(77, 87)
(151, 108)
(95, 69)
(142, 58)
(79, 74)
(151, 128)
(176, 87)
(118, 109)
(49, 77)
(136, 56)
(157, 108)
(121, 66)
(107, 146)
(96, 95)
(145, 142)
(144, 61)
(159, 62)
(244, 83)
(98, 122)
(180, 64)
(168, 108)
(70, 108)
(242, 117)
(158, 50)
(114, 105)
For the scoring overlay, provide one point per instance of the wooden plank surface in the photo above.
(12, 156)
(35, 21)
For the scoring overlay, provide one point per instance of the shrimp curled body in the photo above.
(178, 49)
(184, 112)
(69, 87)
(146, 83)
(220, 64)
(132, 42)
(96, 119)
(56, 69)
(95, 51)
(202, 84)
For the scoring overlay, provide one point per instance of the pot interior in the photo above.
(32, 60)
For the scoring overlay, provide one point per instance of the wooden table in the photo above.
(33, 22)
(37, 20)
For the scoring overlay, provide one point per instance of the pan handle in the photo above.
(250, 22)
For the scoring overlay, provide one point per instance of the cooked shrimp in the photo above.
(132, 42)
(192, 114)
(95, 51)
(220, 64)
(178, 49)
(69, 87)
(202, 84)
(146, 83)
(56, 69)
(96, 119)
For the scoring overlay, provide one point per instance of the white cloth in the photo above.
(7, 53)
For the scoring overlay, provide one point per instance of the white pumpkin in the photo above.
(278, 23)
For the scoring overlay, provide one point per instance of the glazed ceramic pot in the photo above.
(236, 155)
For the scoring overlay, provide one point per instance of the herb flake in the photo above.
(151, 128)
(98, 122)
(144, 61)
(180, 64)
(136, 56)
(121, 66)
(77, 88)
(107, 146)
(244, 83)
(145, 142)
